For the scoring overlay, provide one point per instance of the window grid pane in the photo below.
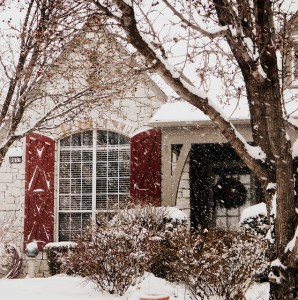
(77, 176)
(72, 224)
(229, 218)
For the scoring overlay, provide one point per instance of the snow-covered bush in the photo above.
(113, 257)
(216, 262)
(254, 220)
(158, 219)
(55, 252)
(161, 221)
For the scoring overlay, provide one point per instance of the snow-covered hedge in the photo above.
(161, 222)
(254, 220)
(112, 257)
(55, 252)
(216, 263)
(151, 217)
(116, 253)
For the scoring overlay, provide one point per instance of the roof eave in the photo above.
(199, 123)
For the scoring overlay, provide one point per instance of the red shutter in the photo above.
(145, 181)
(39, 190)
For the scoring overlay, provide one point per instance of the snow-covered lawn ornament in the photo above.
(10, 257)
(31, 251)
(5, 260)
(10, 261)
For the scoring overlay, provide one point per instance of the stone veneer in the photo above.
(183, 194)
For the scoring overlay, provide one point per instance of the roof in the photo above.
(183, 113)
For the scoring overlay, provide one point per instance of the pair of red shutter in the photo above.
(145, 181)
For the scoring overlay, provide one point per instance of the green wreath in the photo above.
(229, 193)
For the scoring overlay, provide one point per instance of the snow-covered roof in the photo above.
(184, 113)
(181, 111)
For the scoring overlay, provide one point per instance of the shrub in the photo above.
(157, 219)
(55, 252)
(254, 220)
(215, 262)
(161, 221)
(112, 257)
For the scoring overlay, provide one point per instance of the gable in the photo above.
(99, 77)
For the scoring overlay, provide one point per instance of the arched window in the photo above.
(94, 175)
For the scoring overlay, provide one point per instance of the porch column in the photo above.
(171, 178)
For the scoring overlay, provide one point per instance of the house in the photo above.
(78, 166)
(137, 149)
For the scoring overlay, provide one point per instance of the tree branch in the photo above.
(221, 31)
(186, 91)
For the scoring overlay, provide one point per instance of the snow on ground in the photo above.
(63, 287)
(75, 288)
(258, 292)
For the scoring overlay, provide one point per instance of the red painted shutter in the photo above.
(145, 181)
(39, 190)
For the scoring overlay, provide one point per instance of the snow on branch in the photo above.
(210, 33)
(277, 263)
(250, 155)
(254, 151)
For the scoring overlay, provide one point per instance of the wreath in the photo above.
(229, 193)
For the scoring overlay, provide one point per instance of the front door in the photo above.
(221, 186)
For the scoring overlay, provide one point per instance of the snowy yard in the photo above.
(74, 288)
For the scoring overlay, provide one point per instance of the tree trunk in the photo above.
(265, 103)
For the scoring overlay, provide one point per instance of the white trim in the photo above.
(56, 236)
(94, 138)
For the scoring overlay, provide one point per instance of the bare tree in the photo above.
(250, 45)
(53, 66)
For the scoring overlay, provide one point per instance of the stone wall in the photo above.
(41, 266)
(12, 191)
(131, 117)
(183, 195)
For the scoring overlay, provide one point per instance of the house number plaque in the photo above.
(15, 159)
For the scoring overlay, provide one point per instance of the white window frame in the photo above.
(95, 150)
(222, 217)
(225, 214)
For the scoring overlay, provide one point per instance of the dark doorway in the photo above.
(221, 186)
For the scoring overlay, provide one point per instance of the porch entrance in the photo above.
(221, 186)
